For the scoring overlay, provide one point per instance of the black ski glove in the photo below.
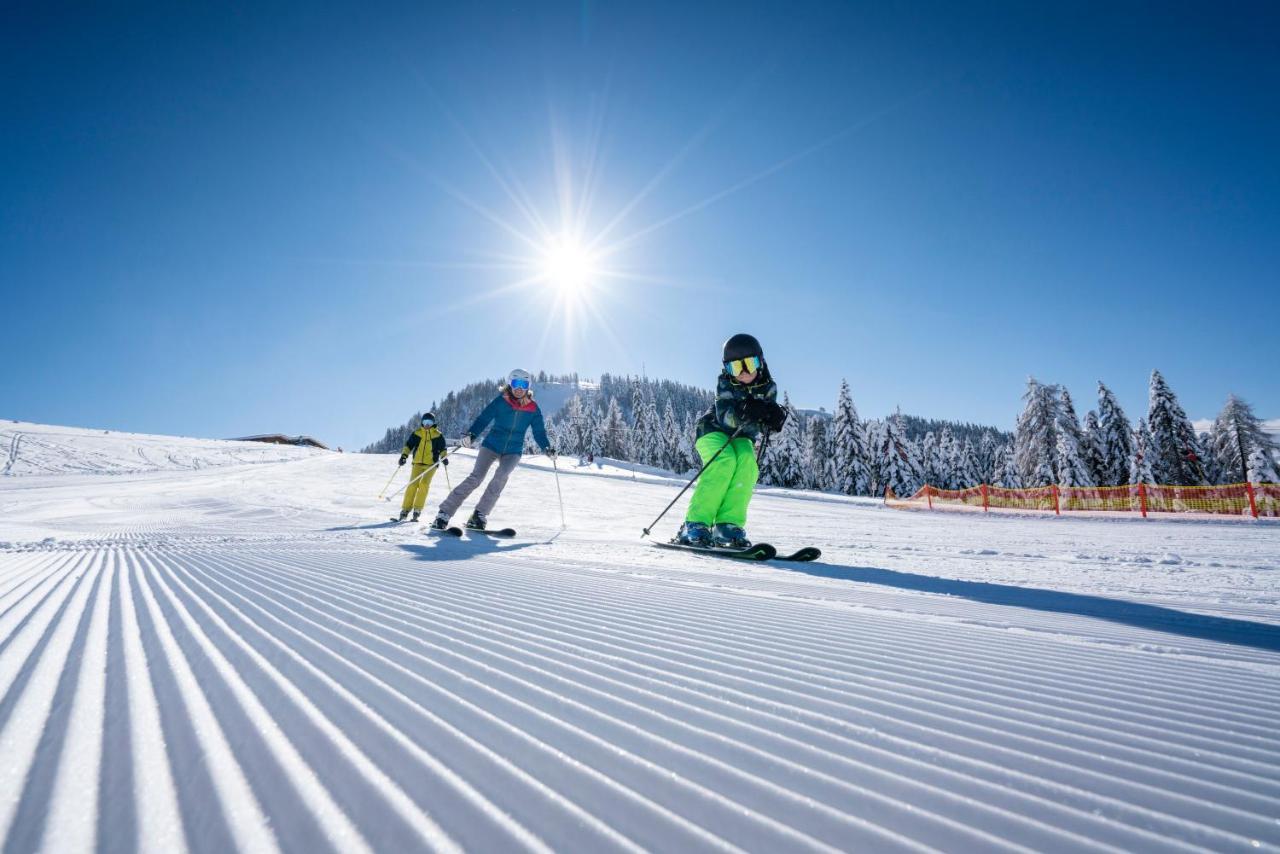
(444, 461)
(404, 458)
(775, 417)
(754, 410)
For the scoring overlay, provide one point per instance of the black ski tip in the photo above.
(448, 532)
(803, 555)
(499, 532)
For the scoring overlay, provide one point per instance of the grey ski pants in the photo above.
(485, 458)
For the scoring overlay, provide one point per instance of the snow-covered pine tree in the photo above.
(784, 463)
(672, 452)
(1073, 467)
(1115, 435)
(1006, 472)
(873, 438)
(639, 435)
(1213, 471)
(930, 460)
(573, 437)
(1140, 463)
(1235, 434)
(849, 473)
(615, 441)
(1176, 448)
(948, 460)
(1091, 450)
(654, 446)
(595, 432)
(899, 468)
(965, 470)
(1262, 467)
(816, 453)
(987, 455)
(690, 446)
(1036, 435)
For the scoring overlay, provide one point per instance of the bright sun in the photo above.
(568, 267)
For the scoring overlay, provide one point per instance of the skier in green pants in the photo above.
(745, 402)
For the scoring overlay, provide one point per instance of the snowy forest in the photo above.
(651, 422)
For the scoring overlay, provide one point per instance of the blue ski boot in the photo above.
(728, 536)
(694, 534)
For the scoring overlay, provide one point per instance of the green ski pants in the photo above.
(724, 490)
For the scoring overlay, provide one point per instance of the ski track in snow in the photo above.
(248, 658)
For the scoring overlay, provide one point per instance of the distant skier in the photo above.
(745, 398)
(508, 418)
(425, 445)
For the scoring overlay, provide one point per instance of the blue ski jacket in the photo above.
(510, 421)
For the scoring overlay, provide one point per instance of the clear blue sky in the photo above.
(234, 219)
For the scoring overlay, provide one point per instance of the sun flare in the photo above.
(568, 267)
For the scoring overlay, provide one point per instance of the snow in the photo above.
(216, 645)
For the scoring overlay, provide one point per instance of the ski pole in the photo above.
(695, 477)
(447, 481)
(388, 483)
(556, 468)
(430, 469)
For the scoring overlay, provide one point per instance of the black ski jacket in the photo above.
(725, 415)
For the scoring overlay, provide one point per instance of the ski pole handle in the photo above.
(695, 477)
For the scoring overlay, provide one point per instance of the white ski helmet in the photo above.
(519, 374)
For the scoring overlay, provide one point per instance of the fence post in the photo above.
(1142, 498)
(1056, 508)
(1253, 505)
(928, 494)
(984, 498)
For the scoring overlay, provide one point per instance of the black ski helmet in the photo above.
(740, 346)
(429, 415)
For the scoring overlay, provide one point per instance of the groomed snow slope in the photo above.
(248, 657)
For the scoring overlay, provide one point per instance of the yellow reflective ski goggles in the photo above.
(749, 365)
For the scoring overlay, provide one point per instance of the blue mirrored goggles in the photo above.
(428, 422)
(519, 383)
(749, 365)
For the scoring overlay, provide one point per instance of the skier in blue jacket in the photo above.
(508, 418)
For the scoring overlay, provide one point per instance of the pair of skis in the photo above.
(455, 531)
(756, 552)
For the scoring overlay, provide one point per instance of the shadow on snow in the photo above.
(1154, 618)
(448, 548)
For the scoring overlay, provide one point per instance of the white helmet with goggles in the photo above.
(519, 379)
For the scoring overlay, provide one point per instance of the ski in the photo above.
(757, 552)
(500, 532)
(454, 531)
(803, 555)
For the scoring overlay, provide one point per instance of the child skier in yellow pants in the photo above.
(424, 446)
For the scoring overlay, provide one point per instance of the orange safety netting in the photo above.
(1233, 499)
